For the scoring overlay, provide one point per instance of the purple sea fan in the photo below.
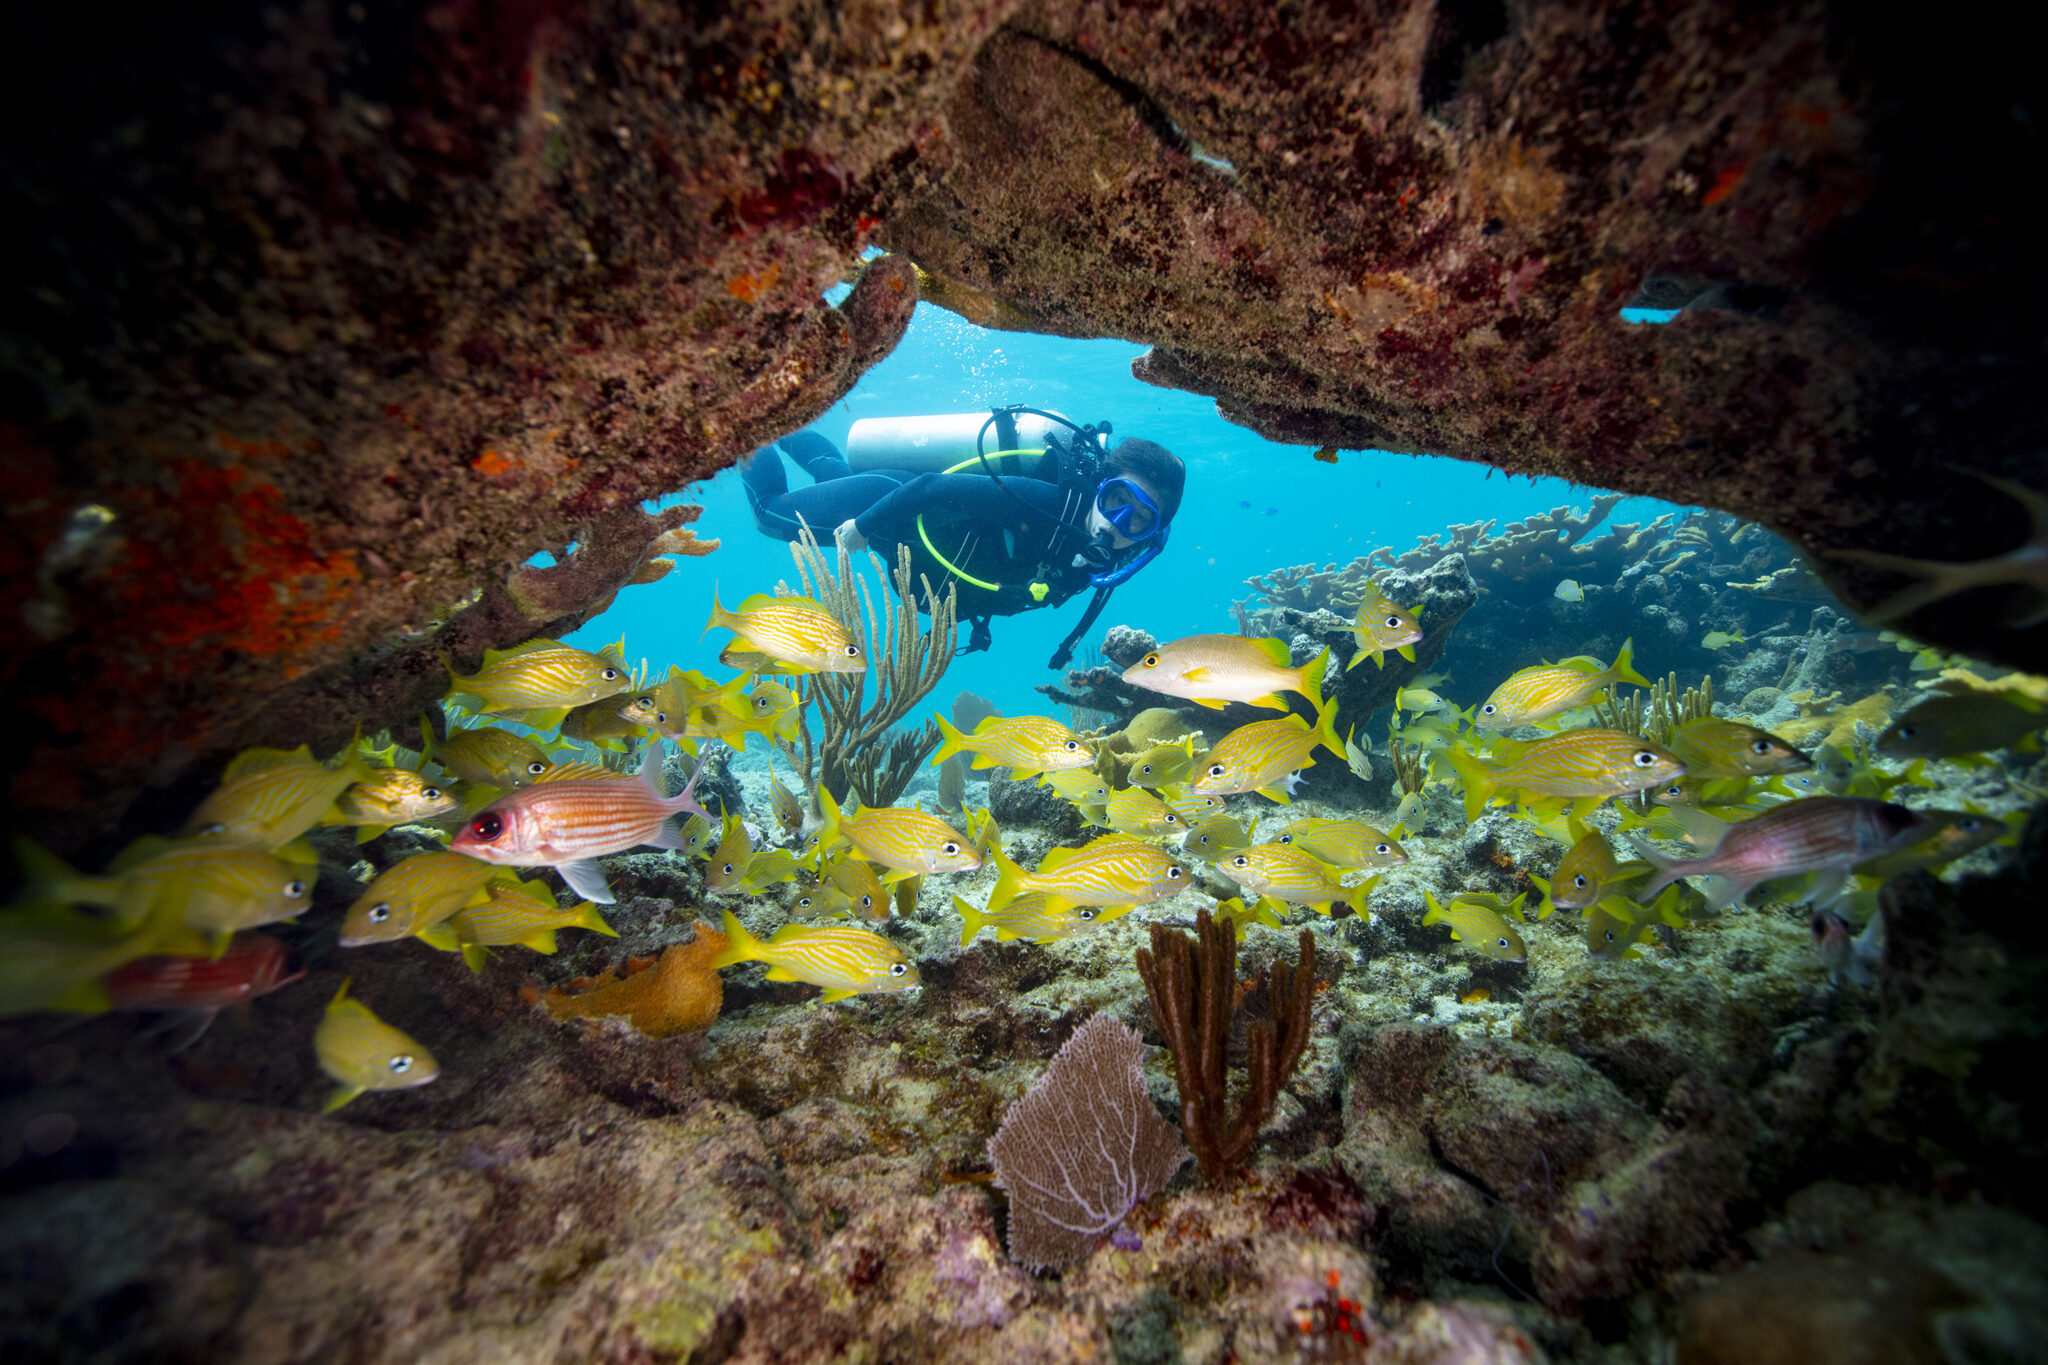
(1082, 1148)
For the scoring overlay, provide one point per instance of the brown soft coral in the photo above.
(680, 993)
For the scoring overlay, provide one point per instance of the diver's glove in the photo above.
(979, 638)
(848, 534)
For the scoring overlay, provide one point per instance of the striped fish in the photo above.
(388, 797)
(1710, 747)
(1215, 837)
(668, 708)
(768, 867)
(363, 1052)
(1260, 757)
(905, 841)
(269, 797)
(1165, 764)
(1586, 766)
(1215, 670)
(697, 836)
(1194, 809)
(1481, 924)
(1828, 835)
(1586, 873)
(844, 959)
(512, 912)
(788, 812)
(209, 884)
(727, 867)
(413, 894)
(1243, 917)
(735, 711)
(253, 965)
(486, 755)
(1115, 870)
(798, 634)
(1026, 745)
(854, 878)
(1347, 843)
(1532, 694)
(1610, 937)
(1140, 814)
(544, 679)
(1382, 625)
(599, 724)
(1084, 789)
(570, 825)
(1037, 916)
(1283, 873)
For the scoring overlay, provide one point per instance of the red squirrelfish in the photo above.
(570, 825)
(253, 965)
(1822, 834)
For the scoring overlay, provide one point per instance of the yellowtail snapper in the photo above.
(1216, 670)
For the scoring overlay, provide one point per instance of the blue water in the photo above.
(1300, 510)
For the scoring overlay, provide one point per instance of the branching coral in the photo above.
(1194, 990)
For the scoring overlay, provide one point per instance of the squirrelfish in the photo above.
(1164, 764)
(1533, 693)
(1347, 843)
(1215, 838)
(1481, 924)
(388, 797)
(1821, 834)
(1587, 766)
(269, 797)
(1027, 745)
(1260, 756)
(1037, 916)
(1140, 814)
(1115, 870)
(1710, 747)
(800, 635)
(544, 679)
(1282, 872)
(486, 755)
(1382, 625)
(363, 1052)
(1967, 723)
(570, 825)
(512, 912)
(727, 867)
(844, 959)
(733, 712)
(253, 965)
(413, 894)
(1215, 670)
(905, 841)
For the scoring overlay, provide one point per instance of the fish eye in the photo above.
(431, 793)
(1383, 848)
(400, 1064)
(294, 889)
(898, 968)
(1760, 746)
(1608, 935)
(1644, 758)
(1070, 745)
(1217, 770)
(1173, 874)
(867, 902)
(379, 913)
(803, 903)
(1579, 881)
(1487, 709)
(1088, 913)
(1394, 621)
(1149, 661)
(727, 869)
(1502, 942)
(609, 675)
(851, 651)
(1240, 861)
(486, 827)
(949, 848)
(643, 701)
(537, 767)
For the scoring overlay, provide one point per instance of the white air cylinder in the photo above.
(935, 443)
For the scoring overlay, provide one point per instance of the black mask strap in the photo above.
(1065, 652)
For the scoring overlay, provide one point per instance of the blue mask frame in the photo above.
(1122, 517)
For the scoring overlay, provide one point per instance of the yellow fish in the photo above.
(789, 813)
(1382, 625)
(1028, 745)
(1720, 639)
(1164, 765)
(1115, 870)
(1195, 809)
(843, 959)
(905, 841)
(512, 912)
(728, 865)
(855, 879)
(1586, 766)
(414, 894)
(1215, 838)
(1347, 843)
(1954, 834)
(486, 755)
(735, 711)
(1140, 814)
(1481, 924)
(1262, 911)
(670, 707)
(1083, 788)
(696, 836)
(1710, 747)
(1039, 917)
(363, 1052)
(53, 956)
(1970, 723)
(1586, 873)
(801, 636)
(1533, 694)
(1283, 873)
(1610, 936)
(543, 680)
(268, 797)
(768, 867)
(598, 723)
(389, 797)
(1261, 756)
(1216, 670)
(223, 888)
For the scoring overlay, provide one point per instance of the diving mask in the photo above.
(1129, 508)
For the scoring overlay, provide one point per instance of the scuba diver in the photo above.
(1026, 525)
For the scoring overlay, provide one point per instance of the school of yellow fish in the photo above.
(579, 780)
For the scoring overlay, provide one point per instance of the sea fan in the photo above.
(1082, 1148)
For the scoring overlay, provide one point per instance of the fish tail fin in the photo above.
(1477, 780)
(1308, 679)
(1668, 869)
(48, 879)
(1009, 880)
(342, 1095)
(1326, 728)
(972, 921)
(1623, 667)
(828, 814)
(721, 619)
(740, 946)
(474, 955)
(1435, 913)
(955, 742)
(1407, 652)
(589, 918)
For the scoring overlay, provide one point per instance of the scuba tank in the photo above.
(932, 444)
